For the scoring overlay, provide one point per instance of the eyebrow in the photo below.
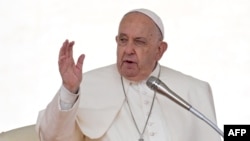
(123, 34)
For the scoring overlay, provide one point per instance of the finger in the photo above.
(80, 62)
(63, 49)
(61, 63)
(70, 49)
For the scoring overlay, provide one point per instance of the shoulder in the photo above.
(194, 90)
(101, 76)
(175, 76)
(185, 85)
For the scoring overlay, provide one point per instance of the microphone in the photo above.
(158, 86)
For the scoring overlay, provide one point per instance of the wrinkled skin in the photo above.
(139, 46)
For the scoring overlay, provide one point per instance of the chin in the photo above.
(128, 74)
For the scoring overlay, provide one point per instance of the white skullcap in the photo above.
(157, 20)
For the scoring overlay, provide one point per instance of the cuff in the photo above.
(67, 99)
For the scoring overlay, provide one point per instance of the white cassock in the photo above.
(101, 112)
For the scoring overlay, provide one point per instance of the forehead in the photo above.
(137, 24)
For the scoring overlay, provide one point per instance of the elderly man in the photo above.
(113, 103)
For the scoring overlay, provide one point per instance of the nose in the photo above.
(130, 48)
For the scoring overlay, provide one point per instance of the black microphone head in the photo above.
(153, 82)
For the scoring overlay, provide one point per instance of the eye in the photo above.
(122, 40)
(140, 42)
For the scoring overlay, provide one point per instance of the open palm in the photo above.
(71, 73)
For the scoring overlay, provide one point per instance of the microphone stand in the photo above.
(157, 85)
(205, 119)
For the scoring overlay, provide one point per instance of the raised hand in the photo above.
(71, 73)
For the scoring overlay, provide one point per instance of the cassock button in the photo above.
(152, 133)
(144, 93)
(150, 123)
(146, 102)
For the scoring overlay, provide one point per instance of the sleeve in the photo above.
(57, 123)
(67, 99)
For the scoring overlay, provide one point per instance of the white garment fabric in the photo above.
(140, 98)
(100, 112)
(153, 16)
(67, 99)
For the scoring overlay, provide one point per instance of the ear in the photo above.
(161, 49)
(116, 38)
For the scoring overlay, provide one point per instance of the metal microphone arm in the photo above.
(156, 85)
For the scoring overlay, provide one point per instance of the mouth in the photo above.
(128, 64)
(128, 61)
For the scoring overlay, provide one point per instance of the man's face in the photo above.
(138, 46)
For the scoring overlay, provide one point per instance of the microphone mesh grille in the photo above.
(152, 82)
